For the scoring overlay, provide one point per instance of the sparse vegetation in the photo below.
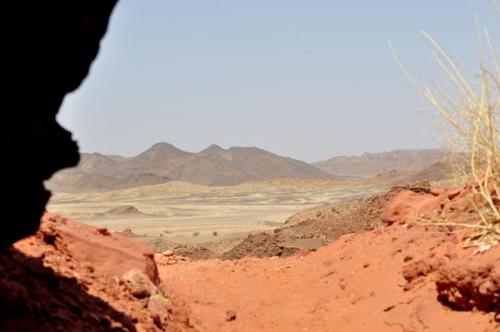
(470, 113)
(215, 233)
(196, 234)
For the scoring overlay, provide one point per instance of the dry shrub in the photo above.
(470, 112)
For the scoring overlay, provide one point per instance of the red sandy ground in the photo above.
(355, 284)
(401, 278)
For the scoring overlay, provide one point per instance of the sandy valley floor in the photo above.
(188, 213)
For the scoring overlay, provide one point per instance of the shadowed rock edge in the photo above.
(48, 49)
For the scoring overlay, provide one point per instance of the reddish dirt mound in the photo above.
(382, 280)
(74, 277)
(400, 278)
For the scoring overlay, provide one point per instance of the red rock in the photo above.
(471, 283)
(461, 205)
(454, 193)
(160, 307)
(436, 191)
(103, 231)
(46, 285)
(406, 206)
(304, 252)
(230, 315)
(112, 254)
(414, 272)
(139, 284)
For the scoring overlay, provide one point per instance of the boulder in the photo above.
(407, 206)
(110, 253)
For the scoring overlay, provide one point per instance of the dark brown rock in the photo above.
(47, 49)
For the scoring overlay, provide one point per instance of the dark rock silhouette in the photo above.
(47, 50)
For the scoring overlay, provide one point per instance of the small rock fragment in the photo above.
(168, 253)
(230, 315)
(103, 231)
(139, 284)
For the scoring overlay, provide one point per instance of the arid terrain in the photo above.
(281, 254)
(123, 194)
(238, 238)
(180, 212)
(400, 276)
(215, 166)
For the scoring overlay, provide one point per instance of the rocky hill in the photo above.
(164, 162)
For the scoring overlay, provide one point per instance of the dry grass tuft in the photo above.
(470, 112)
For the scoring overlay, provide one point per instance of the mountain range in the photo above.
(373, 164)
(216, 166)
(163, 162)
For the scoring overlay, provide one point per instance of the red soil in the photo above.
(377, 281)
(400, 278)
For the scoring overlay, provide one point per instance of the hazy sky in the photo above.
(303, 78)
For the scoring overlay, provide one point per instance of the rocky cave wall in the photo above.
(48, 47)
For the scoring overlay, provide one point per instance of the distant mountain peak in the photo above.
(162, 145)
(214, 148)
(163, 161)
(162, 151)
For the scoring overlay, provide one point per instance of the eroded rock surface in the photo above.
(72, 277)
(471, 283)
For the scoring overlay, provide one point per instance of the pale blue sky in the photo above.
(303, 78)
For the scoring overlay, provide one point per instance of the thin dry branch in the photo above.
(471, 125)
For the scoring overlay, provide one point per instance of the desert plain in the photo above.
(184, 213)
